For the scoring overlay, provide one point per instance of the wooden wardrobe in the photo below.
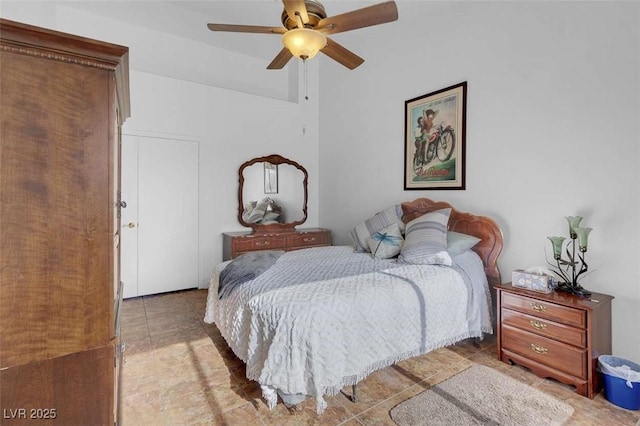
(63, 99)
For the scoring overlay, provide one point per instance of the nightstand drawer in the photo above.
(543, 309)
(555, 354)
(261, 243)
(553, 330)
(308, 239)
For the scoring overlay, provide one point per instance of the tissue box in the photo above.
(533, 282)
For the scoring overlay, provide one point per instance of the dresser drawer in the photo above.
(266, 242)
(557, 355)
(236, 243)
(553, 330)
(308, 239)
(542, 309)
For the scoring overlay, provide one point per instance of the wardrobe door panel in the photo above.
(54, 209)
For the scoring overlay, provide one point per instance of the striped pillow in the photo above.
(426, 239)
(379, 221)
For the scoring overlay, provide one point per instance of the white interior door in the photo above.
(165, 228)
(129, 218)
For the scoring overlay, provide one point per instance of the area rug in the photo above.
(479, 396)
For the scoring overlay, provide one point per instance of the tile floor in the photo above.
(179, 371)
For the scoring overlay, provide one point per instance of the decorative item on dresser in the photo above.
(558, 335)
(291, 200)
(63, 101)
(270, 230)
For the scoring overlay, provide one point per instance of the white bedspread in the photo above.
(327, 317)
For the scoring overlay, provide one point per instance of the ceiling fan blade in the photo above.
(341, 54)
(366, 17)
(246, 29)
(296, 7)
(280, 60)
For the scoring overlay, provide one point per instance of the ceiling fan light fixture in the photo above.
(304, 43)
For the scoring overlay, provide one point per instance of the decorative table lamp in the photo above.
(570, 270)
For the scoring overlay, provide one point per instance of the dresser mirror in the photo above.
(272, 194)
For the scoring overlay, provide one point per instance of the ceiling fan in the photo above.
(306, 24)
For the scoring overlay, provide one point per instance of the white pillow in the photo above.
(257, 213)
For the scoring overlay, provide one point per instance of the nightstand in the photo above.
(557, 335)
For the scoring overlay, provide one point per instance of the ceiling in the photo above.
(188, 19)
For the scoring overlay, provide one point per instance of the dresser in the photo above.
(557, 335)
(63, 101)
(236, 243)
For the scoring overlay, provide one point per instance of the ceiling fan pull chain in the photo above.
(306, 80)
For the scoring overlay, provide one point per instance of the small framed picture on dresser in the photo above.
(270, 178)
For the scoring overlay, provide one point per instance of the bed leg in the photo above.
(351, 397)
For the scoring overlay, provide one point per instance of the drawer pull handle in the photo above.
(262, 243)
(538, 325)
(538, 307)
(539, 349)
(309, 239)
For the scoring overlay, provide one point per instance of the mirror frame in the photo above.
(279, 227)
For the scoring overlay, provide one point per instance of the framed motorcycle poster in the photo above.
(434, 146)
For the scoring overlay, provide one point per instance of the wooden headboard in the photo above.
(479, 226)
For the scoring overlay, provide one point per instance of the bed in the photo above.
(312, 321)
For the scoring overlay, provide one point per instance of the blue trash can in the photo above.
(621, 381)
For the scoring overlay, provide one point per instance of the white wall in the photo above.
(552, 129)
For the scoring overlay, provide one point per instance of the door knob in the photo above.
(130, 225)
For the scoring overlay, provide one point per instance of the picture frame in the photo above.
(270, 178)
(435, 139)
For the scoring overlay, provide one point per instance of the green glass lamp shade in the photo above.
(574, 222)
(557, 246)
(583, 237)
